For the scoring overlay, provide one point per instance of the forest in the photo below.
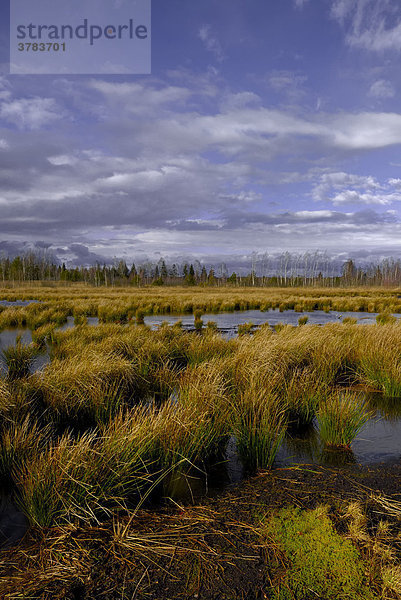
(284, 270)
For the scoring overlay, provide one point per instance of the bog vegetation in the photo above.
(120, 409)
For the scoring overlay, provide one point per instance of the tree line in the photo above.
(284, 270)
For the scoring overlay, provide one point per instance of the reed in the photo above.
(385, 318)
(19, 359)
(43, 335)
(259, 424)
(245, 328)
(81, 480)
(91, 388)
(19, 442)
(197, 424)
(303, 394)
(342, 417)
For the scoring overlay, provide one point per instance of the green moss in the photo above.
(319, 562)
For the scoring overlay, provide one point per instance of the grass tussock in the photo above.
(259, 423)
(93, 388)
(19, 442)
(19, 359)
(341, 417)
(80, 480)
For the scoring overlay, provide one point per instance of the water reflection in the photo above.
(220, 473)
(337, 457)
(18, 302)
(379, 440)
(227, 322)
(8, 337)
(13, 523)
(387, 407)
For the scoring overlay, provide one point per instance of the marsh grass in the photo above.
(378, 362)
(13, 317)
(140, 316)
(81, 480)
(211, 326)
(198, 323)
(259, 424)
(386, 318)
(245, 328)
(129, 404)
(5, 396)
(197, 425)
(20, 440)
(80, 319)
(19, 359)
(43, 335)
(303, 393)
(341, 417)
(91, 389)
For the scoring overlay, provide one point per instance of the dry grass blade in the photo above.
(390, 506)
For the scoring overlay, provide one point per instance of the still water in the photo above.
(227, 322)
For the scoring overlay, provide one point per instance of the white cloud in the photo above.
(366, 130)
(62, 160)
(381, 89)
(395, 182)
(341, 188)
(356, 197)
(289, 82)
(374, 25)
(300, 3)
(140, 98)
(160, 160)
(211, 42)
(32, 113)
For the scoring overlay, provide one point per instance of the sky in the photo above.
(265, 126)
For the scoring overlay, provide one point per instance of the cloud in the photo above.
(164, 168)
(300, 3)
(288, 82)
(341, 188)
(211, 42)
(32, 113)
(373, 25)
(381, 89)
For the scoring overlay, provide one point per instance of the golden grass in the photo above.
(170, 398)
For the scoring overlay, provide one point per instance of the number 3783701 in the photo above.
(41, 47)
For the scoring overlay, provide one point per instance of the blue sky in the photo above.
(265, 126)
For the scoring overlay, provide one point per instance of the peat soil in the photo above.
(212, 551)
